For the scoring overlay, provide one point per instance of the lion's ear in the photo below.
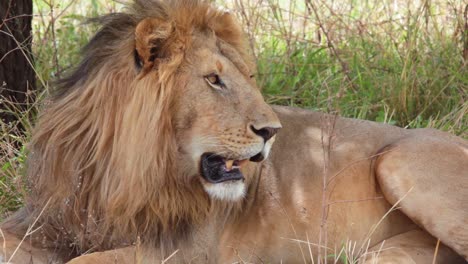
(151, 35)
(227, 28)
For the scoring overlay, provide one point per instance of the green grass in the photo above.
(415, 92)
(409, 72)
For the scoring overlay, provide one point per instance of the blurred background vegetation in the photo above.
(394, 61)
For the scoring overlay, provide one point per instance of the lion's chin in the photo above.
(226, 191)
(222, 178)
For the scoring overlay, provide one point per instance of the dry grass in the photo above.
(398, 62)
(393, 61)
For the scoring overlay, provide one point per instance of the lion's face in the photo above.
(222, 122)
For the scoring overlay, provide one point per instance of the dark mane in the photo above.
(118, 28)
(114, 29)
(103, 179)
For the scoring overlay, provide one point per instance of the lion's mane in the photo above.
(103, 161)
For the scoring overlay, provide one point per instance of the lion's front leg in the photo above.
(134, 255)
(127, 255)
(428, 177)
(415, 246)
(16, 250)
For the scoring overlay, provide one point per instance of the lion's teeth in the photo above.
(229, 164)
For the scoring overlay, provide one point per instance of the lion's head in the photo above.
(161, 117)
(218, 115)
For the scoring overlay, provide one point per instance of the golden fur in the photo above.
(105, 166)
(114, 160)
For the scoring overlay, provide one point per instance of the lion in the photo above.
(159, 147)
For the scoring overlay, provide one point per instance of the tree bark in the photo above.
(17, 78)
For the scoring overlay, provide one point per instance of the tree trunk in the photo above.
(17, 78)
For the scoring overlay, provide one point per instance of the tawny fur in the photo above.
(112, 179)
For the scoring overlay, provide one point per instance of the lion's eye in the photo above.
(214, 81)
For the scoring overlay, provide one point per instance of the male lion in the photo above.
(158, 147)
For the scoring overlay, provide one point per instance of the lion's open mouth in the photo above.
(216, 169)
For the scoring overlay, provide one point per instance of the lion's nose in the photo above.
(265, 132)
